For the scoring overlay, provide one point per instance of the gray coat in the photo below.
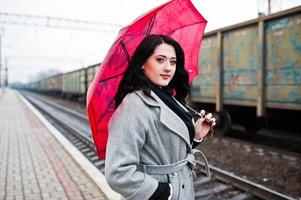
(148, 143)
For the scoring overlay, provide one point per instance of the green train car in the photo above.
(251, 70)
(72, 85)
(76, 83)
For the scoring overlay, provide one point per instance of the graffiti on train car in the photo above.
(283, 46)
(240, 63)
(204, 85)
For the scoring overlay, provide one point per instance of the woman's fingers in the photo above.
(212, 120)
(208, 118)
(202, 113)
(204, 124)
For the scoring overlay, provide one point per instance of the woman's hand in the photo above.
(203, 125)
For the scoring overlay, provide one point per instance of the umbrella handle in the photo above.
(195, 112)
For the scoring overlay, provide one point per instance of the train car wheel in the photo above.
(253, 125)
(223, 123)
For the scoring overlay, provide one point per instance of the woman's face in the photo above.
(160, 67)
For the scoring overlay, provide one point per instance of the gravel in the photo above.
(266, 166)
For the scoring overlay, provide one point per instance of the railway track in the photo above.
(276, 138)
(221, 185)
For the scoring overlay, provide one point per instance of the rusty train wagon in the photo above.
(91, 72)
(72, 85)
(33, 86)
(52, 84)
(252, 71)
(76, 83)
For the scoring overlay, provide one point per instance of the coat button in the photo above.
(182, 186)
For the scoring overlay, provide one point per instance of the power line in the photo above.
(50, 22)
(56, 22)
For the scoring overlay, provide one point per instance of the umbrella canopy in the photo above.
(178, 19)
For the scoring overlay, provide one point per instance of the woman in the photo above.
(151, 133)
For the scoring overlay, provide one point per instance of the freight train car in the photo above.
(91, 72)
(76, 83)
(72, 85)
(51, 84)
(251, 70)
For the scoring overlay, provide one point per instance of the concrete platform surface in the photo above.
(33, 164)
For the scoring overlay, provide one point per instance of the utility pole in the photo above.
(0, 61)
(6, 77)
(1, 29)
(265, 7)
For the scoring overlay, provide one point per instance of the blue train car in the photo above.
(251, 69)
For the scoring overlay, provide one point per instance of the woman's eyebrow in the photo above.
(165, 56)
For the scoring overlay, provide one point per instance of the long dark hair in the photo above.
(134, 78)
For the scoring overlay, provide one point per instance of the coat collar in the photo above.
(169, 118)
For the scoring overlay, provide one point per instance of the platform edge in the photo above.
(94, 174)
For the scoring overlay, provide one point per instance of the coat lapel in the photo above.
(170, 119)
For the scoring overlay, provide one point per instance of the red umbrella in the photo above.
(178, 19)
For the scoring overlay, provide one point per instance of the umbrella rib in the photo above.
(125, 50)
(187, 26)
(150, 26)
(111, 77)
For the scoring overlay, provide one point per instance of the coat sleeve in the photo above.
(127, 134)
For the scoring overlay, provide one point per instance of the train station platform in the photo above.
(33, 163)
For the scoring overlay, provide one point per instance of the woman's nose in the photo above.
(167, 66)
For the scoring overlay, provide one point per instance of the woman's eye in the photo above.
(160, 60)
(173, 62)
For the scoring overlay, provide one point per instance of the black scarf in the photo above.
(165, 94)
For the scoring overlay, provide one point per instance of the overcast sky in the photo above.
(29, 50)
